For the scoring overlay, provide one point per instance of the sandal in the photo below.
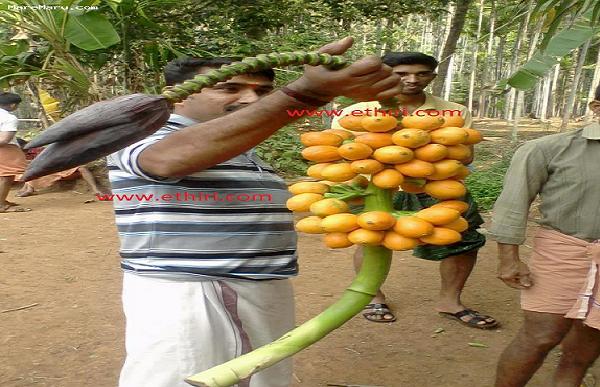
(14, 209)
(377, 313)
(476, 320)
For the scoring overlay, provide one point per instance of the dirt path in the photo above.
(73, 336)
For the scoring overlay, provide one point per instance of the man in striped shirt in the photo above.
(207, 244)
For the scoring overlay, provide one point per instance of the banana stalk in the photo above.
(374, 270)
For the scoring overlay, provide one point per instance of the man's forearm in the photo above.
(204, 145)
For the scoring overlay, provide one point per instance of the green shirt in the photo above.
(564, 170)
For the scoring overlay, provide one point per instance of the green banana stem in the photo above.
(181, 91)
(374, 270)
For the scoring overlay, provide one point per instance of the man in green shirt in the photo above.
(417, 71)
(564, 170)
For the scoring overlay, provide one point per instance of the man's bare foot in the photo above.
(10, 204)
(24, 193)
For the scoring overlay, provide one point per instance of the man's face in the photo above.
(224, 97)
(414, 78)
(11, 107)
(595, 107)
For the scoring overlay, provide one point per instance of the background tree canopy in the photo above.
(504, 59)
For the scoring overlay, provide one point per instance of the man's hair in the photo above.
(409, 58)
(182, 69)
(9, 98)
(597, 95)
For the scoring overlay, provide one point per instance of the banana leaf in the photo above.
(560, 45)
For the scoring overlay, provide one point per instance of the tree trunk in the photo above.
(378, 37)
(554, 95)
(423, 32)
(498, 75)
(465, 46)
(533, 41)
(595, 83)
(388, 30)
(569, 105)
(511, 97)
(447, 27)
(448, 85)
(401, 42)
(520, 95)
(578, 102)
(474, 58)
(537, 99)
(458, 22)
(546, 94)
(483, 95)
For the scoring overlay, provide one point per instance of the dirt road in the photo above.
(71, 333)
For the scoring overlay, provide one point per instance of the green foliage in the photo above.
(557, 11)
(90, 31)
(558, 46)
(486, 185)
(282, 151)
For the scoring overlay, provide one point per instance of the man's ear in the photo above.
(595, 107)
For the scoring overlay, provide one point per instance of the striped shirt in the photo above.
(229, 220)
(564, 170)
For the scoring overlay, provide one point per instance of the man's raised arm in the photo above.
(201, 146)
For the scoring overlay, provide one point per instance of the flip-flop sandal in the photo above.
(475, 319)
(8, 209)
(380, 310)
(11, 204)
